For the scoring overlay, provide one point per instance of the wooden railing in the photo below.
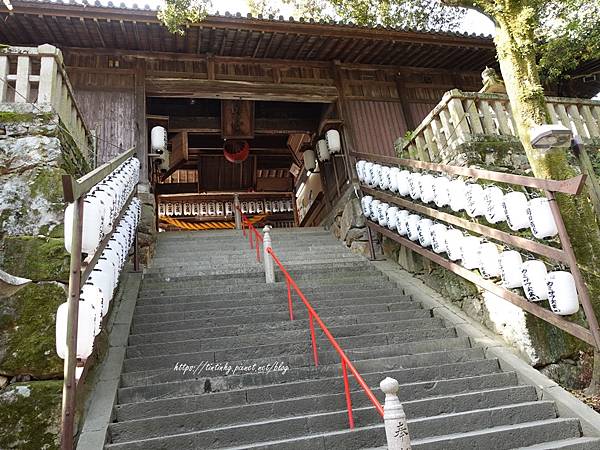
(465, 116)
(37, 75)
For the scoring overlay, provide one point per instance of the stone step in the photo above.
(227, 336)
(181, 388)
(191, 437)
(234, 415)
(484, 384)
(578, 443)
(385, 299)
(243, 324)
(258, 287)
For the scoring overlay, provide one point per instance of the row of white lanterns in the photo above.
(220, 209)
(490, 202)
(98, 290)
(474, 253)
(332, 144)
(102, 205)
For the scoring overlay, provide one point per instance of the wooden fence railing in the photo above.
(464, 116)
(37, 75)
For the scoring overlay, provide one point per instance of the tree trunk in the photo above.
(515, 45)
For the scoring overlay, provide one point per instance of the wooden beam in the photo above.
(141, 130)
(199, 40)
(99, 31)
(258, 42)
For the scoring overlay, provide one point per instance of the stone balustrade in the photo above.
(466, 116)
(36, 75)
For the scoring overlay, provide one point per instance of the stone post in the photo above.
(268, 261)
(396, 430)
(236, 212)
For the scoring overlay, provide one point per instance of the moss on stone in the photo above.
(36, 258)
(30, 415)
(28, 347)
(18, 117)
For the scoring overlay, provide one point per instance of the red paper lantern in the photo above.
(236, 151)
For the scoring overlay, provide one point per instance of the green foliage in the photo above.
(176, 13)
(37, 258)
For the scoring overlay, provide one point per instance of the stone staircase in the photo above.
(205, 300)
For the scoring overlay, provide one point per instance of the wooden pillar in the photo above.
(140, 121)
(408, 117)
(347, 138)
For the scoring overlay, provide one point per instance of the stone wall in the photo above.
(556, 354)
(34, 154)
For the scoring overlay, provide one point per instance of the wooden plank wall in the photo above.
(107, 102)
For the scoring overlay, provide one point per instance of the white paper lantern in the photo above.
(384, 180)
(391, 217)
(268, 206)
(334, 142)
(402, 182)
(401, 219)
(368, 173)
(541, 220)
(322, 150)
(196, 209)
(534, 280)
(376, 175)
(457, 190)
(103, 279)
(489, 260)
(441, 196)
(494, 210)
(515, 209)
(414, 186)
(360, 170)
(85, 330)
(91, 229)
(510, 269)
(375, 210)
(177, 209)
(275, 206)
(158, 139)
(562, 293)
(310, 162)
(424, 230)
(394, 171)
(470, 252)
(93, 294)
(453, 241)
(438, 237)
(162, 210)
(412, 230)
(475, 203)
(382, 214)
(365, 202)
(187, 209)
(260, 207)
(108, 205)
(426, 188)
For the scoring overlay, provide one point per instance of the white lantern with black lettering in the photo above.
(438, 237)
(310, 161)
(401, 220)
(426, 188)
(382, 214)
(510, 269)
(158, 139)
(375, 210)
(489, 260)
(414, 186)
(562, 293)
(494, 211)
(515, 209)
(541, 220)
(360, 170)
(412, 230)
(441, 196)
(368, 173)
(91, 227)
(391, 217)
(534, 280)
(394, 171)
(365, 202)
(403, 184)
(454, 239)
(384, 180)
(376, 171)
(457, 190)
(424, 230)
(470, 252)
(475, 203)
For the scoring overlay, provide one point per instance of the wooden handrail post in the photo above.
(70, 382)
(394, 418)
